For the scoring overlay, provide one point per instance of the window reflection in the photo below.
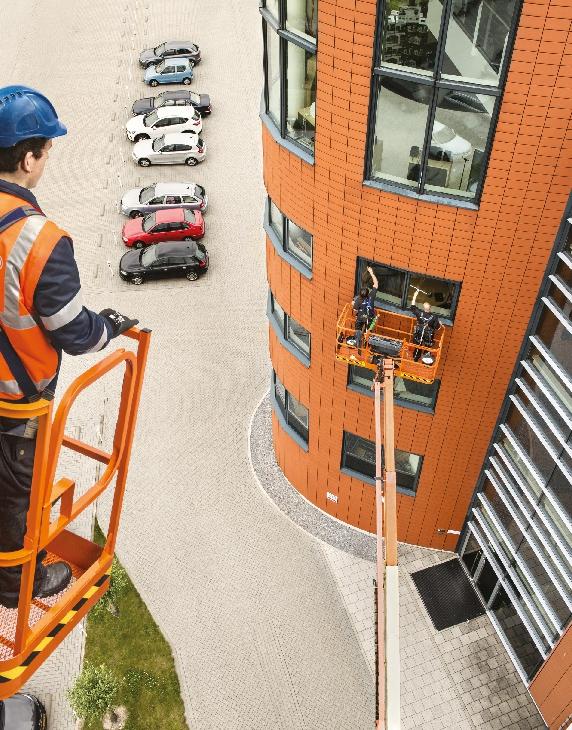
(477, 35)
(409, 33)
(273, 73)
(302, 17)
(404, 391)
(401, 118)
(301, 95)
(458, 140)
(299, 243)
(276, 220)
(272, 6)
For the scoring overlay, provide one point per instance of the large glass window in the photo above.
(437, 81)
(290, 237)
(397, 287)
(358, 455)
(290, 28)
(408, 393)
(294, 413)
(289, 329)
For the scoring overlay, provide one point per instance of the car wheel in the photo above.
(137, 280)
(191, 161)
(186, 81)
(144, 162)
(154, 82)
(138, 244)
(141, 137)
(192, 275)
(135, 214)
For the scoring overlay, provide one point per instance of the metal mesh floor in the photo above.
(447, 594)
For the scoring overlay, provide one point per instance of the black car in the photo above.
(22, 712)
(182, 49)
(201, 102)
(166, 260)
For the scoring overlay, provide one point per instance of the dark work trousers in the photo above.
(16, 468)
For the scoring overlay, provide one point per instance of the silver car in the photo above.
(170, 149)
(162, 196)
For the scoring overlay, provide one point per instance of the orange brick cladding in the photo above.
(499, 253)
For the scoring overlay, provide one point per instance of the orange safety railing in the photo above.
(396, 328)
(30, 633)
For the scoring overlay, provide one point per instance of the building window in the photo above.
(397, 287)
(517, 550)
(358, 456)
(295, 415)
(289, 238)
(438, 78)
(290, 29)
(288, 329)
(408, 393)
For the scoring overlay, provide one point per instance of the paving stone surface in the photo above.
(257, 611)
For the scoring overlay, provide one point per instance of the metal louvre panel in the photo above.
(525, 458)
(557, 312)
(550, 360)
(533, 499)
(562, 286)
(536, 427)
(512, 553)
(499, 571)
(524, 520)
(540, 623)
(548, 392)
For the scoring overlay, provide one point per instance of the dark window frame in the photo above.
(281, 244)
(282, 411)
(437, 83)
(399, 401)
(281, 329)
(409, 492)
(362, 263)
(285, 36)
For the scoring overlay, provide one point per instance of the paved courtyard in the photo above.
(269, 626)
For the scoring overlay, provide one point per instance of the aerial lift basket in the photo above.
(30, 633)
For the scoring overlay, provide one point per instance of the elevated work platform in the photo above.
(391, 336)
(29, 633)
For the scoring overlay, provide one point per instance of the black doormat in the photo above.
(447, 594)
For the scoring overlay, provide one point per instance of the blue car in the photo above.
(172, 71)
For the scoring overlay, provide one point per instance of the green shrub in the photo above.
(94, 692)
(118, 585)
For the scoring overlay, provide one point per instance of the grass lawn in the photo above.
(132, 646)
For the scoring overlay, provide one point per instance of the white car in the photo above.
(163, 196)
(163, 121)
(171, 149)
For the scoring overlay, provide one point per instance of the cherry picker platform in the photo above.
(391, 335)
(30, 633)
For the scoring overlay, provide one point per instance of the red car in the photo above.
(176, 224)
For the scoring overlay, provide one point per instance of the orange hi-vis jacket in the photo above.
(25, 247)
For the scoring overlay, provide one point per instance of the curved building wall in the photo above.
(498, 253)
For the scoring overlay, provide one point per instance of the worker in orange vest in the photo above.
(41, 316)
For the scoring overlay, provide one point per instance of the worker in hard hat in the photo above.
(425, 327)
(41, 316)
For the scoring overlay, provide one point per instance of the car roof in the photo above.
(170, 215)
(174, 188)
(174, 44)
(181, 138)
(178, 94)
(168, 248)
(178, 60)
(174, 111)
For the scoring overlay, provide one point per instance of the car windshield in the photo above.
(148, 256)
(159, 50)
(150, 119)
(147, 194)
(148, 222)
(195, 98)
(190, 216)
(159, 143)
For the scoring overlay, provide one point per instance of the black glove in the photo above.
(119, 322)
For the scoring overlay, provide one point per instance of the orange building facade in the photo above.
(482, 251)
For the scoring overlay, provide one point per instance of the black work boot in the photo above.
(57, 577)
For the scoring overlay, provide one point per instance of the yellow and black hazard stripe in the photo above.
(15, 672)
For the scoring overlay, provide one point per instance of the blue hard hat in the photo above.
(25, 113)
